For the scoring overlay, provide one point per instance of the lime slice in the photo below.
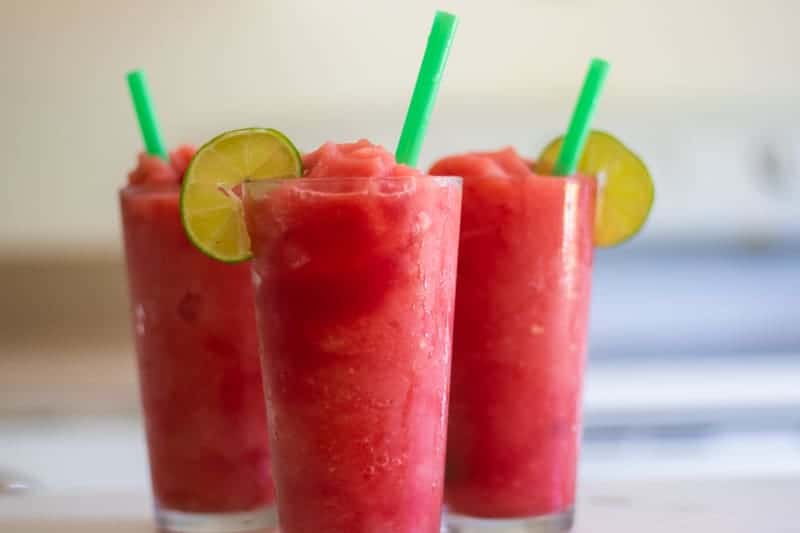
(626, 190)
(211, 207)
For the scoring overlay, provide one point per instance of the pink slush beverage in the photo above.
(199, 369)
(355, 280)
(524, 280)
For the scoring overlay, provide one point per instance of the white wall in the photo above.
(699, 87)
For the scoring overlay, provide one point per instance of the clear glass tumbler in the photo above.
(524, 282)
(355, 283)
(199, 372)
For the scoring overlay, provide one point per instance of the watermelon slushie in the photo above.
(524, 280)
(355, 280)
(199, 369)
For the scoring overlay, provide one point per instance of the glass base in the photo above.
(551, 523)
(263, 520)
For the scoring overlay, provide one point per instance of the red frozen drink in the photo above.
(199, 369)
(355, 268)
(524, 279)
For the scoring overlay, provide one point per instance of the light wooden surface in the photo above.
(720, 506)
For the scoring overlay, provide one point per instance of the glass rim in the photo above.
(573, 177)
(354, 179)
(360, 184)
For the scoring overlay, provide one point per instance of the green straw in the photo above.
(145, 113)
(422, 100)
(578, 131)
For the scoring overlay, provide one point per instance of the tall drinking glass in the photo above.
(199, 369)
(524, 278)
(355, 281)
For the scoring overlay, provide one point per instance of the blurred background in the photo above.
(695, 339)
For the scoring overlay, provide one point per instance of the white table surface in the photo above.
(729, 506)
